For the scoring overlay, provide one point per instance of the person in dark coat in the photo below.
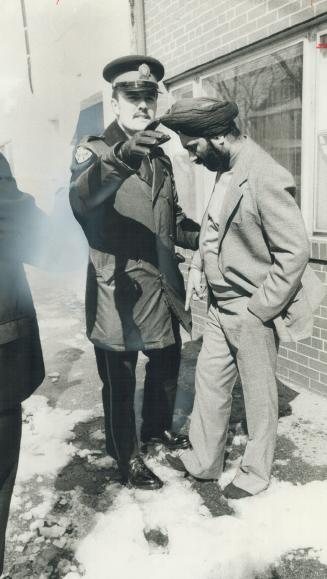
(21, 362)
(123, 195)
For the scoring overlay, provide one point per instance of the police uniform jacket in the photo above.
(21, 363)
(132, 222)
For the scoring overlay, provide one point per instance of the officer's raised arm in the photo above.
(98, 170)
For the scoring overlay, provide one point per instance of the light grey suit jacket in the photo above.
(263, 247)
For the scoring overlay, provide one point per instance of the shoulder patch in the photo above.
(82, 154)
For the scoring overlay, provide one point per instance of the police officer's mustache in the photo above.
(142, 116)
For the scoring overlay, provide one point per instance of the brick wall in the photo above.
(305, 362)
(187, 33)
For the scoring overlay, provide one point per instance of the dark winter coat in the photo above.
(132, 222)
(21, 363)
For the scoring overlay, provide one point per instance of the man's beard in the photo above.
(215, 161)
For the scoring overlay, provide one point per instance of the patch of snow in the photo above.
(306, 427)
(284, 518)
(104, 462)
(98, 435)
(240, 440)
(47, 432)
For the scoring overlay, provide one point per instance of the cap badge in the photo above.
(144, 71)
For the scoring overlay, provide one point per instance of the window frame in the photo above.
(316, 233)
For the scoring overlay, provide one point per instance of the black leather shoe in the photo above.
(136, 474)
(172, 440)
(234, 492)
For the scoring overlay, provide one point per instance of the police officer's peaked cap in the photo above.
(134, 72)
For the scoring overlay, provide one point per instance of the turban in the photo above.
(200, 117)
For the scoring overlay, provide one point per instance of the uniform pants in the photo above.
(235, 341)
(117, 372)
(10, 436)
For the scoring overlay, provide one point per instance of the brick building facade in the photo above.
(269, 56)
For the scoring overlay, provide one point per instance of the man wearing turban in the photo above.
(254, 252)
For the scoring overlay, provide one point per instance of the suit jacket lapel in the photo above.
(234, 192)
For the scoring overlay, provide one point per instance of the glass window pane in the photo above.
(320, 210)
(268, 91)
(182, 92)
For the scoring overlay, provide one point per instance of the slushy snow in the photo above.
(196, 545)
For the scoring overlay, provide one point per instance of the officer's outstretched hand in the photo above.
(139, 146)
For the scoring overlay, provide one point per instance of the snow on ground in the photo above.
(46, 440)
(46, 448)
(192, 543)
(200, 546)
(285, 518)
(307, 427)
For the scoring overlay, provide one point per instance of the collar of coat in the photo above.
(114, 134)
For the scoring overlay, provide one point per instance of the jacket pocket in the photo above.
(296, 321)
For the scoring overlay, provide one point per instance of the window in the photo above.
(182, 92)
(320, 197)
(268, 91)
(281, 95)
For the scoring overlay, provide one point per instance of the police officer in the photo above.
(123, 195)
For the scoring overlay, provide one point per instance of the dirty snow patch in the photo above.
(46, 439)
(306, 427)
(198, 546)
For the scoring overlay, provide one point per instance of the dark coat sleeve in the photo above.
(96, 179)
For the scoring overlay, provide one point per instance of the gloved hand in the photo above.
(139, 146)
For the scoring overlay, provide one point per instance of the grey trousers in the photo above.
(235, 341)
